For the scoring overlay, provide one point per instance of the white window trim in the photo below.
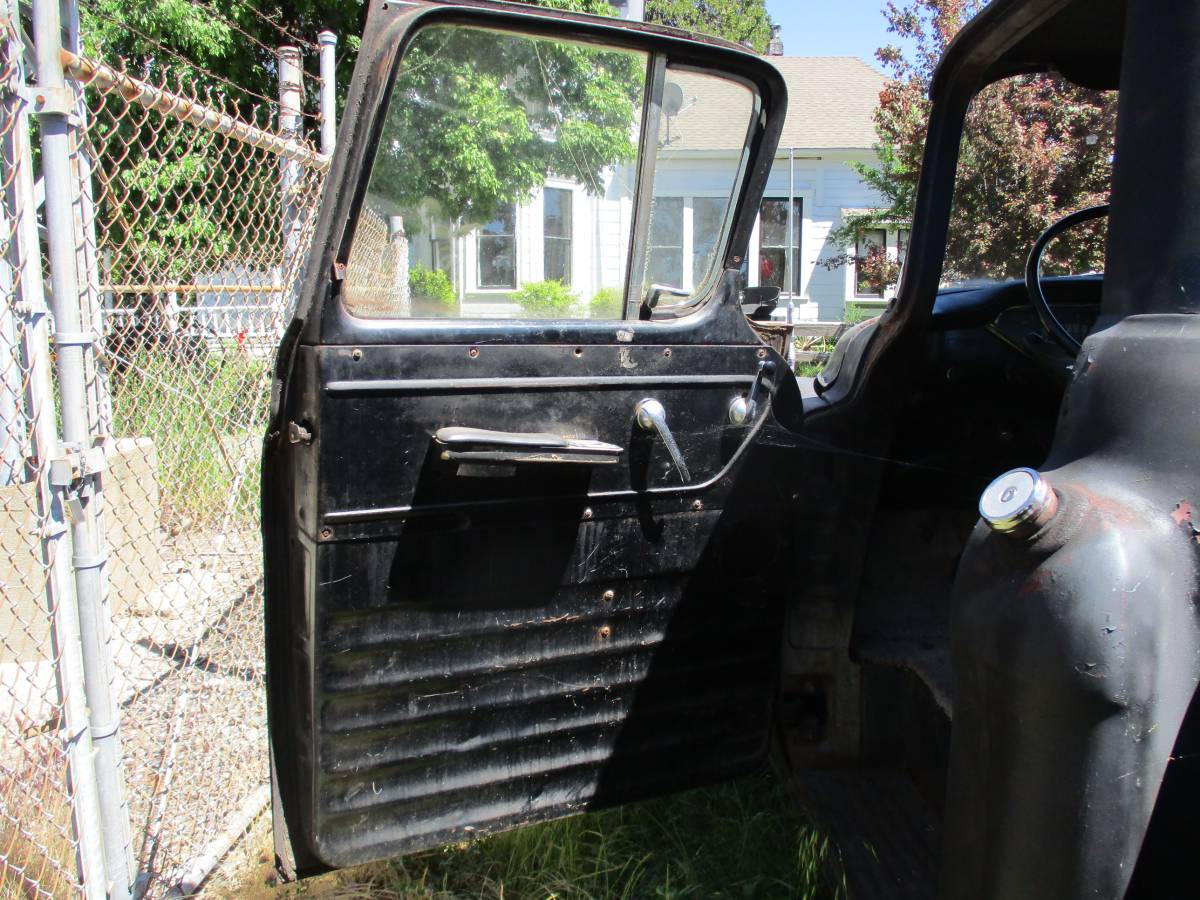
(519, 214)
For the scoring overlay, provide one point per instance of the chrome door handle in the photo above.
(651, 416)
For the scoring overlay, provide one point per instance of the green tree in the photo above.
(479, 119)
(734, 20)
(486, 149)
(1035, 148)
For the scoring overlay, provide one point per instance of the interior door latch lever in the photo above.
(651, 416)
(742, 409)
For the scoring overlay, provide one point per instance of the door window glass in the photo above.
(1034, 148)
(477, 123)
(707, 215)
(702, 134)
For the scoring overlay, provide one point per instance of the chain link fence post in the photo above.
(33, 828)
(78, 473)
(291, 99)
(87, 263)
(328, 43)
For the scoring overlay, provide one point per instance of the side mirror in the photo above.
(759, 302)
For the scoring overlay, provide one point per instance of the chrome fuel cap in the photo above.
(1018, 497)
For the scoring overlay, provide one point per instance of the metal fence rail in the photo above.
(131, 665)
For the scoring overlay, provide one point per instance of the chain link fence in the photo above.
(44, 732)
(190, 217)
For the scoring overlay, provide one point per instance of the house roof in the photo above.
(831, 105)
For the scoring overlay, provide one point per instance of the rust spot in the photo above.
(605, 631)
(1038, 581)
(1115, 512)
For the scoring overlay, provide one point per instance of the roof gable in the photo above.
(831, 105)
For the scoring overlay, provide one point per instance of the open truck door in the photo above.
(523, 560)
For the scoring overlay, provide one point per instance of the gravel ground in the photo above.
(190, 677)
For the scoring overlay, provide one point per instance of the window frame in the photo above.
(857, 257)
(329, 319)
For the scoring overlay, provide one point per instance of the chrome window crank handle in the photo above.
(651, 416)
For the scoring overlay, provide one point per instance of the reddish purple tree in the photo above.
(1035, 148)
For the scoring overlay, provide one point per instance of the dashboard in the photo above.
(1002, 310)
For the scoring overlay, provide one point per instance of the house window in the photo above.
(498, 250)
(777, 244)
(556, 235)
(664, 262)
(440, 247)
(870, 263)
(708, 215)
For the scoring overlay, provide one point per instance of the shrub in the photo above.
(608, 303)
(546, 300)
(434, 285)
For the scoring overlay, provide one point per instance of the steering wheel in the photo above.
(1033, 275)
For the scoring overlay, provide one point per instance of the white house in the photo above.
(565, 233)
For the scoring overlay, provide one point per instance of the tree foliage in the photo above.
(521, 111)
(479, 119)
(734, 20)
(1035, 147)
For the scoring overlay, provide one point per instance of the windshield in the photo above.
(1035, 148)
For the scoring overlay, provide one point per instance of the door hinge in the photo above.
(299, 433)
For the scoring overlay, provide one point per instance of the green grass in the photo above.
(809, 369)
(741, 840)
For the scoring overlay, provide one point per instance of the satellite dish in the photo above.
(672, 100)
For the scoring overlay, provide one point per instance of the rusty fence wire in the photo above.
(192, 217)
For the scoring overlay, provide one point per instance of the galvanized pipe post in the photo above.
(76, 475)
(291, 96)
(86, 247)
(328, 43)
(28, 307)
